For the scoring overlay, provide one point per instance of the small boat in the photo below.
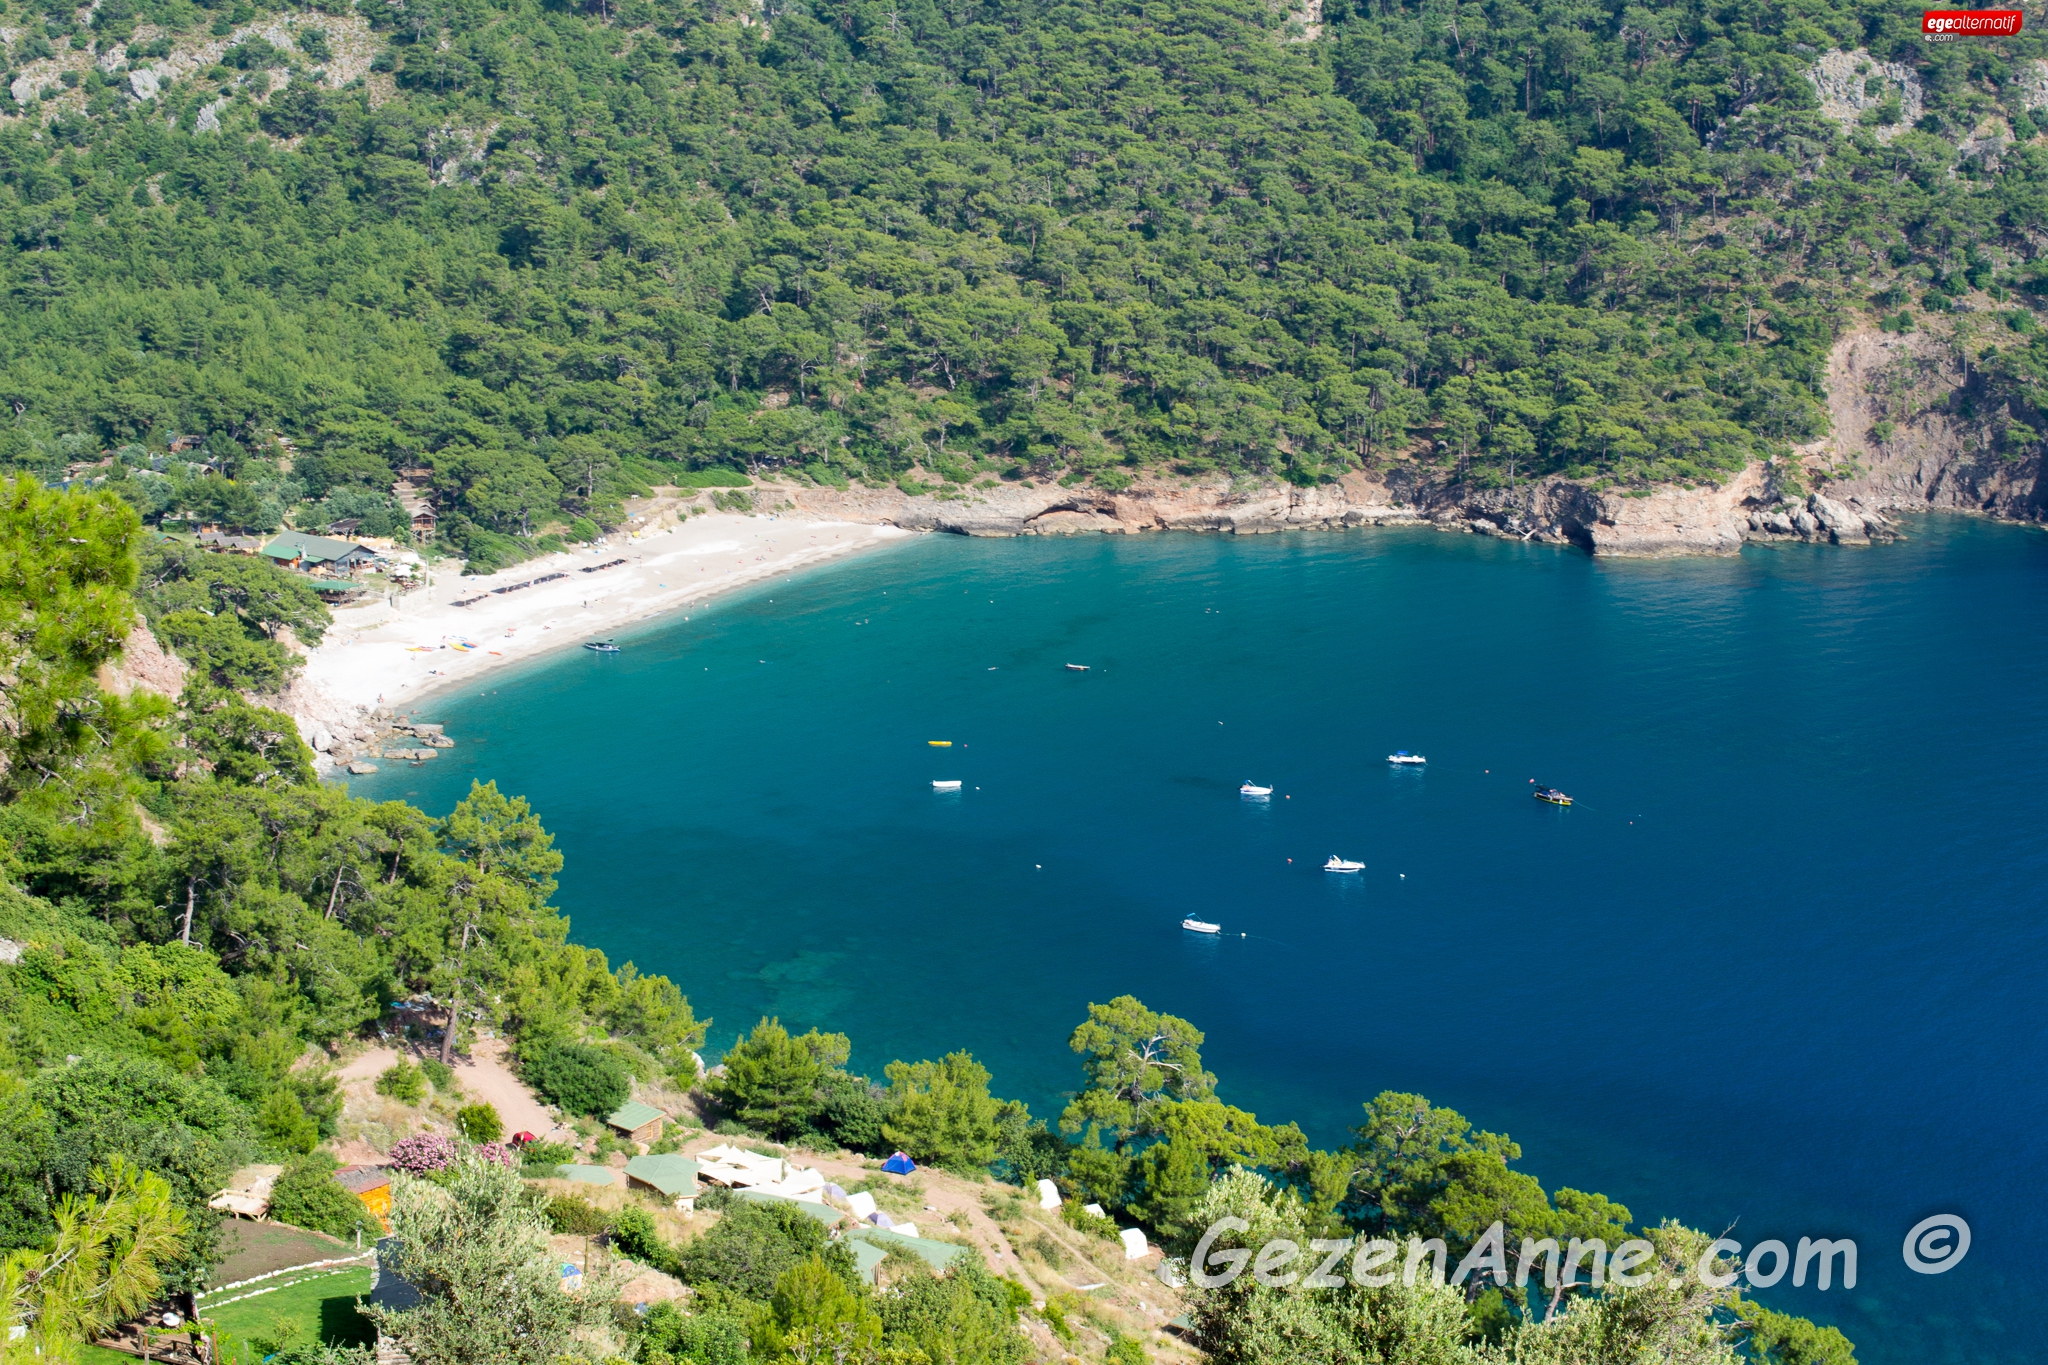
(940, 743)
(1200, 926)
(1552, 795)
(602, 646)
(1403, 756)
(1337, 864)
(1248, 789)
(1077, 668)
(945, 786)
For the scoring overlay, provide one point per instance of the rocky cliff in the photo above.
(1914, 431)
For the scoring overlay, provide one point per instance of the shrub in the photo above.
(715, 1334)
(575, 1217)
(424, 1152)
(634, 1233)
(496, 1153)
(480, 1122)
(754, 1245)
(306, 1196)
(966, 1314)
(441, 1074)
(323, 1353)
(403, 1082)
(284, 1123)
(713, 478)
(1077, 1217)
(1124, 1350)
(545, 1156)
(579, 1078)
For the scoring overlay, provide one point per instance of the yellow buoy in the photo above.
(940, 743)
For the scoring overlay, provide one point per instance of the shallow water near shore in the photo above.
(1778, 968)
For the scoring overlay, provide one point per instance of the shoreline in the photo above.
(392, 654)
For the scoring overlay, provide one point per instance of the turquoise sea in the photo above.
(1779, 970)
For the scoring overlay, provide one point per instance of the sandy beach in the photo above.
(393, 652)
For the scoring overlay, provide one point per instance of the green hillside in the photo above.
(551, 251)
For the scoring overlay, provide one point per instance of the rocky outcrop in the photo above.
(1028, 509)
(1852, 83)
(1666, 521)
(144, 666)
(1902, 441)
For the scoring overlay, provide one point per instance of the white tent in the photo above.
(862, 1203)
(1048, 1195)
(1134, 1244)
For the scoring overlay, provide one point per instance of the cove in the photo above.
(1776, 971)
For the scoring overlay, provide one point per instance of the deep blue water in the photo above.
(1779, 968)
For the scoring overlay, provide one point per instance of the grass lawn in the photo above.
(320, 1307)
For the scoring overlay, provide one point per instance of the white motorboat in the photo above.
(1248, 789)
(1200, 926)
(1337, 864)
(945, 786)
(1404, 757)
(602, 646)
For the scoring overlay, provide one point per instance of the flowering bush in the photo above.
(496, 1152)
(424, 1152)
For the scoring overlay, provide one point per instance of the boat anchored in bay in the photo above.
(601, 646)
(1253, 789)
(1402, 756)
(1552, 795)
(1337, 864)
(1200, 926)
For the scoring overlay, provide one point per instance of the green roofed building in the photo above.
(937, 1255)
(297, 550)
(672, 1177)
(638, 1122)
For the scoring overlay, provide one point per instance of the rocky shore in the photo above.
(1898, 446)
(1665, 521)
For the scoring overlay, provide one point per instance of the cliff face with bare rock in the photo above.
(1901, 443)
(1915, 431)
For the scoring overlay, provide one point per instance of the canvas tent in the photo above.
(899, 1164)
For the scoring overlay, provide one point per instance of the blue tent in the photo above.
(899, 1164)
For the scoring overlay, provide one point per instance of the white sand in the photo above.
(393, 654)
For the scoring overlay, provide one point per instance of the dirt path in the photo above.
(484, 1076)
